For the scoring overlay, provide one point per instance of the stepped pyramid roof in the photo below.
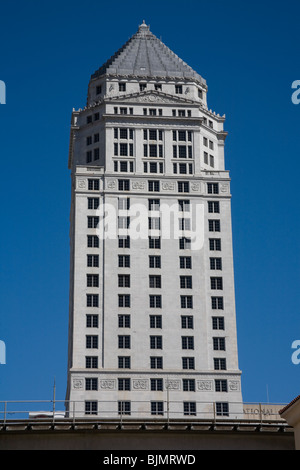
(144, 55)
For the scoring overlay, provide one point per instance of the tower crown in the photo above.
(144, 55)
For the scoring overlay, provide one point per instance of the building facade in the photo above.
(152, 322)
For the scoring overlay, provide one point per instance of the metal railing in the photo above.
(57, 410)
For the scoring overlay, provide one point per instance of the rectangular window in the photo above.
(218, 323)
(124, 203)
(183, 187)
(186, 282)
(213, 207)
(216, 283)
(124, 300)
(155, 281)
(91, 384)
(187, 321)
(222, 409)
(153, 204)
(123, 280)
(189, 408)
(188, 363)
(215, 263)
(221, 385)
(123, 185)
(91, 407)
(186, 301)
(124, 341)
(93, 241)
(122, 86)
(124, 362)
(92, 280)
(92, 222)
(124, 408)
(91, 342)
(153, 186)
(219, 344)
(93, 261)
(92, 321)
(156, 362)
(153, 223)
(124, 321)
(92, 300)
(91, 362)
(188, 385)
(93, 185)
(184, 243)
(220, 363)
(156, 342)
(187, 342)
(178, 89)
(124, 241)
(185, 262)
(213, 188)
(155, 301)
(154, 243)
(124, 261)
(156, 385)
(217, 303)
(93, 202)
(124, 384)
(215, 244)
(155, 321)
(123, 222)
(184, 205)
(157, 407)
(154, 262)
(214, 225)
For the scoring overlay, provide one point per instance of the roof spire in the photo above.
(143, 27)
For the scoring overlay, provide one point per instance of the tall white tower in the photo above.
(152, 327)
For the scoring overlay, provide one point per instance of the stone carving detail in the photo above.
(111, 184)
(204, 385)
(172, 385)
(140, 384)
(78, 384)
(166, 186)
(224, 188)
(138, 185)
(234, 385)
(81, 184)
(107, 384)
(195, 186)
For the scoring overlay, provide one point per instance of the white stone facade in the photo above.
(152, 325)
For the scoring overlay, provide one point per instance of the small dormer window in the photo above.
(143, 86)
(178, 89)
(200, 93)
(98, 89)
(122, 86)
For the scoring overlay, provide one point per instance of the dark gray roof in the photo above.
(144, 55)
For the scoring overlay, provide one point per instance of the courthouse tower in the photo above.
(152, 327)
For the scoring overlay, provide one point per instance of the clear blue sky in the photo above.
(249, 54)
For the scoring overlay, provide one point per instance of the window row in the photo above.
(188, 363)
(157, 408)
(157, 384)
(155, 301)
(124, 185)
(155, 321)
(124, 342)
